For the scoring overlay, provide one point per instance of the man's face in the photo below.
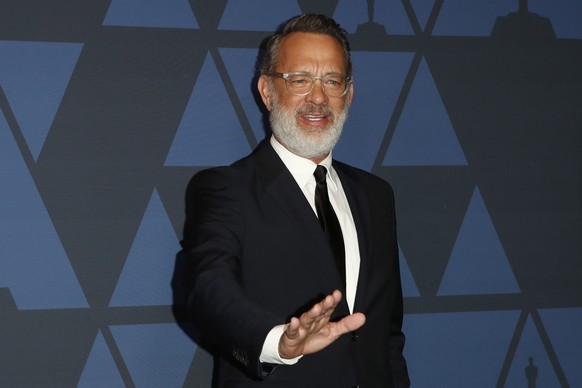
(309, 125)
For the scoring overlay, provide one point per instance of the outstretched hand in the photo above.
(313, 331)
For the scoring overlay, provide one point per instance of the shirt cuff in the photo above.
(270, 351)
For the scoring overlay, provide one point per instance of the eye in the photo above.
(299, 80)
(334, 81)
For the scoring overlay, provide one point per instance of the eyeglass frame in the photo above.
(285, 76)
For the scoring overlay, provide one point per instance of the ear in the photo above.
(264, 91)
(350, 93)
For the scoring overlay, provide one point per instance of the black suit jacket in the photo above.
(258, 256)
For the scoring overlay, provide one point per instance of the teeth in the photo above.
(313, 118)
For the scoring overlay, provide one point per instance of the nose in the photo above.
(317, 95)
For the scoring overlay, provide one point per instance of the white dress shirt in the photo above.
(302, 171)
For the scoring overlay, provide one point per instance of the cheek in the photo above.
(338, 106)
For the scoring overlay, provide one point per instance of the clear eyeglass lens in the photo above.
(334, 85)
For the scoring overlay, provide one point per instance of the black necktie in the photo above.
(328, 220)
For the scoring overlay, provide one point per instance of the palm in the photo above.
(313, 331)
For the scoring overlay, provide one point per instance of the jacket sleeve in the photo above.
(213, 244)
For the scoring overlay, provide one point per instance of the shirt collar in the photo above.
(302, 168)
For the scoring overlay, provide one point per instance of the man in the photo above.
(269, 277)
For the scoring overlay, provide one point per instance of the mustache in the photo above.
(313, 109)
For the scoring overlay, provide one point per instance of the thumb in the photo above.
(351, 323)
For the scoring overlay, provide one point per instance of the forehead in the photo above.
(301, 51)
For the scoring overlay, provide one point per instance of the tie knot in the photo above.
(319, 173)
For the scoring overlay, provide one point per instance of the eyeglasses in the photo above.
(301, 84)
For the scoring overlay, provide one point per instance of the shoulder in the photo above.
(362, 178)
(222, 176)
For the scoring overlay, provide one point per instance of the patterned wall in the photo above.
(471, 109)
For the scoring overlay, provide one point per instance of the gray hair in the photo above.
(310, 23)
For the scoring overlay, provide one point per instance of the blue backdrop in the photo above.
(472, 110)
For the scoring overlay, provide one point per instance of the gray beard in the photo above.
(313, 144)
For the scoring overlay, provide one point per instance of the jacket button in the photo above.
(354, 336)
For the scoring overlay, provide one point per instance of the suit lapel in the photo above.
(283, 189)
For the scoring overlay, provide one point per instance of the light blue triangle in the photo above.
(563, 329)
(257, 15)
(389, 13)
(530, 345)
(30, 247)
(34, 76)
(151, 13)
(157, 355)
(378, 80)
(422, 10)
(409, 288)
(478, 264)
(457, 349)
(100, 369)
(471, 18)
(241, 66)
(424, 135)
(210, 133)
(145, 279)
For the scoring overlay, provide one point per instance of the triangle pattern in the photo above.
(478, 264)
(241, 67)
(210, 133)
(100, 369)
(151, 13)
(563, 328)
(378, 79)
(249, 15)
(422, 10)
(531, 365)
(463, 349)
(150, 263)
(157, 355)
(34, 76)
(30, 245)
(409, 288)
(424, 135)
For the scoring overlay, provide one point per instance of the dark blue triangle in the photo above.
(34, 76)
(150, 263)
(157, 355)
(30, 247)
(424, 135)
(100, 369)
(409, 288)
(478, 263)
(422, 10)
(241, 66)
(151, 13)
(378, 80)
(210, 133)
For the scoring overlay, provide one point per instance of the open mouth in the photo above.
(314, 117)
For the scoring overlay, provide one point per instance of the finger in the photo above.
(330, 302)
(350, 323)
